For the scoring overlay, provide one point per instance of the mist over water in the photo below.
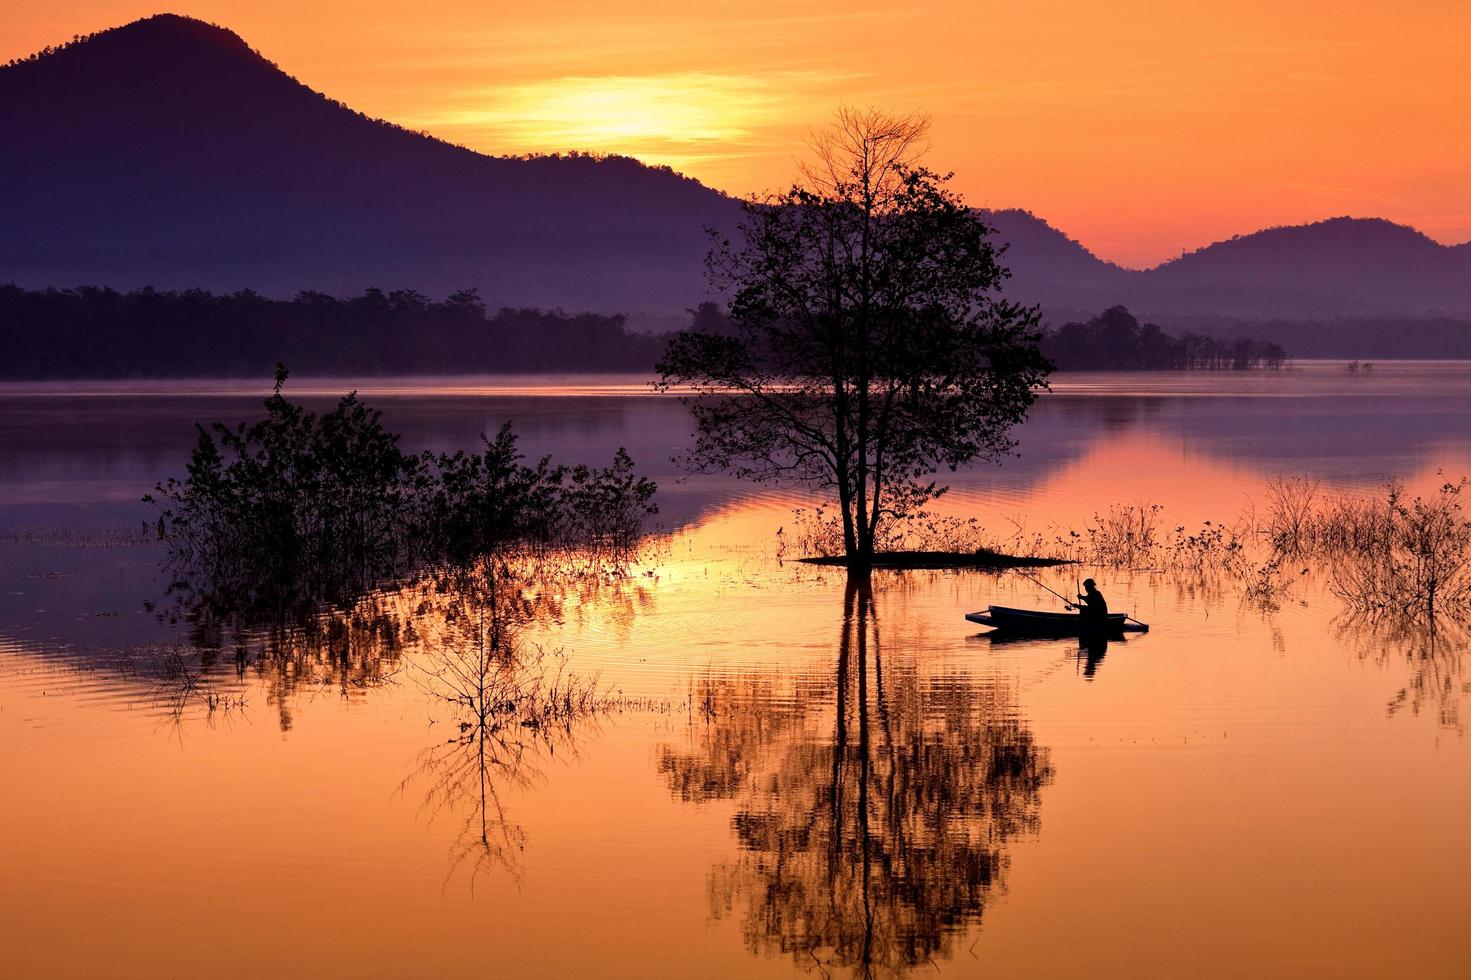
(778, 775)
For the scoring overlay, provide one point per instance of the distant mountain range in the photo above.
(1342, 267)
(168, 153)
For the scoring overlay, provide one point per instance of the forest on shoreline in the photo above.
(93, 332)
(96, 332)
(1115, 340)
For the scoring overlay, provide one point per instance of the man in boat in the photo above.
(1091, 603)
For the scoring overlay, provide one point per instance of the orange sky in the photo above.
(1141, 130)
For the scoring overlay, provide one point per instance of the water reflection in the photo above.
(1434, 653)
(510, 706)
(347, 650)
(76, 455)
(500, 709)
(1091, 651)
(874, 805)
(466, 779)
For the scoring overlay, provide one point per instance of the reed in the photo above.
(1411, 559)
(1390, 555)
(1292, 514)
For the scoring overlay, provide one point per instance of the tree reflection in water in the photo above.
(512, 708)
(509, 708)
(344, 650)
(874, 808)
(1433, 651)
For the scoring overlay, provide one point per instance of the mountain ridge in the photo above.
(169, 152)
(153, 159)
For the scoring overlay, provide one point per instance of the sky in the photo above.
(1142, 129)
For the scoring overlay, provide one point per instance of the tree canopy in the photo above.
(867, 346)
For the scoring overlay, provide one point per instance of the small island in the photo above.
(983, 559)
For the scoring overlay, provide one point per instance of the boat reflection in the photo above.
(1089, 649)
(874, 805)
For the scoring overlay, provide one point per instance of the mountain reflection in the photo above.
(875, 805)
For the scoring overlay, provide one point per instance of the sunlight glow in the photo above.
(673, 119)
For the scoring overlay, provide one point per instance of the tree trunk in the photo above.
(850, 531)
(857, 541)
(860, 556)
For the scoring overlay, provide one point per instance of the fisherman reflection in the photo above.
(1092, 648)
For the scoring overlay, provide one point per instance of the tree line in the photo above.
(1115, 340)
(94, 332)
(97, 332)
(1383, 337)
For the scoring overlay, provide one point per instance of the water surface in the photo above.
(792, 778)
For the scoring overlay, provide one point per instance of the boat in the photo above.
(1039, 623)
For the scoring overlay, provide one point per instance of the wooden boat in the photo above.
(1037, 622)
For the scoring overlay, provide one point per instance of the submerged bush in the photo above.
(1125, 536)
(299, 509)
(1292, 522)
(1129, 536)
(313, 499)
(1391, 555)
(1411, 558)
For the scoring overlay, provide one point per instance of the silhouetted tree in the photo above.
(710, 318)
(869, 347)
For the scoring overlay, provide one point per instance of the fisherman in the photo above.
(1091, 603)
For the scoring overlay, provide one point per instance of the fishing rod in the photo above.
(1066, 601)
(1144, 627)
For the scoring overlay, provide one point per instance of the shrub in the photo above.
(298, 509)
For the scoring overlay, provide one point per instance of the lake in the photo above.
(782, 776)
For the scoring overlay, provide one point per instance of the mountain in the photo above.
(168, 153)
(1342, 265)
(1335, 268)
(1049, 267)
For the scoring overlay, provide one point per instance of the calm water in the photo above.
(792, 779)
